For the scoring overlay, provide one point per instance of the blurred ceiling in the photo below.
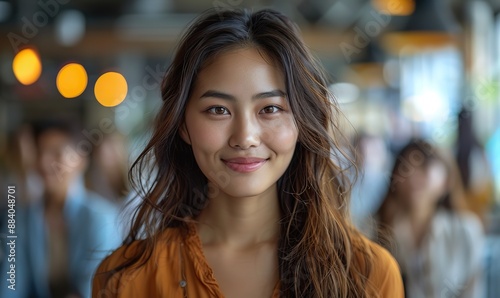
(333, 11)
(153, 26)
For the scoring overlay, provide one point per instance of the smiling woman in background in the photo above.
(438, 244)
(249, 197)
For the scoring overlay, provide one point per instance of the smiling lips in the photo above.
(245, 165)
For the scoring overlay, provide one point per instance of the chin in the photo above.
(238, 191)
(235, 193)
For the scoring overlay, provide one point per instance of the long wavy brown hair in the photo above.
(320, 253)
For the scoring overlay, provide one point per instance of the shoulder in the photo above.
(98, 215)
(120, 256)
(144, 257)
(108, 278)
(385, 276)
(470, 234)
(163, 244)
(464, 223)
(471, 221)
(96, 209)
(98, 203)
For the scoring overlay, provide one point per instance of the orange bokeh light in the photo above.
(27, 66)
(71, 80)
(110, 89)
(395, 7)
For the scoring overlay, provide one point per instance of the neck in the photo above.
(54, 200)
(420, 214)
(419, 218)
(240, 221)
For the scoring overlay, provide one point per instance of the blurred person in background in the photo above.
(18, 166)
(438, 244)
(474, 168)
(368, 190)
(107, 175)
(63, 236)
(108, 168)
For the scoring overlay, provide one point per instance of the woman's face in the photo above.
(425, 184)
(239, 123)
(58, 164)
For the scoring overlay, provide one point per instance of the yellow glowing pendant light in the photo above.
(27, 66)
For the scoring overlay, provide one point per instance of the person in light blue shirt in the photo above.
(63, 236)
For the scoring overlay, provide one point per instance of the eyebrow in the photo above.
(222, 95)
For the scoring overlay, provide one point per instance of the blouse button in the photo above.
(182, 283)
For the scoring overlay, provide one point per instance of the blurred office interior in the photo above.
(400, 69)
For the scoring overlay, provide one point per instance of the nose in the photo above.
(245, 132)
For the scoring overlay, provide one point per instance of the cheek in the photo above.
(47, 162)
(281, 137)
(44, 164)
(205, 136)
(437, 182)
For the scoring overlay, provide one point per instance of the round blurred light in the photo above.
(27, 66)
(70, 27)
(428, 106)
(71, 80)
(395, 7)
(110, 89)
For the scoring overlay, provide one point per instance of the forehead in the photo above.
(52, 138)
(241, 68)
(247, 51)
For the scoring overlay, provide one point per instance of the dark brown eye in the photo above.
(270, 110)
(218, 110)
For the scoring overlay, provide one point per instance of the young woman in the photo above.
(438, 245)
(247, 199)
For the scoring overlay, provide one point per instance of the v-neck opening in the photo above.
(200, 261)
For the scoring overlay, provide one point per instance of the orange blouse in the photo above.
(178, 268)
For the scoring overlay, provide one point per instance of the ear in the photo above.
(184, 133)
